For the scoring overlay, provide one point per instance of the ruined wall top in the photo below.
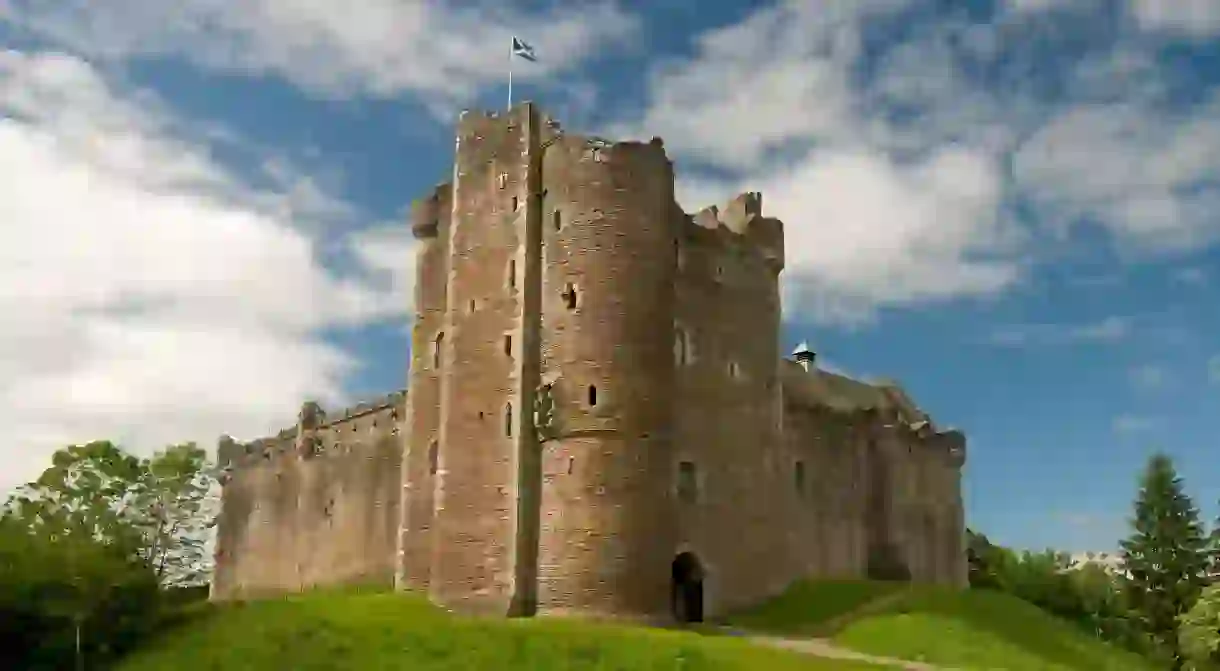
(740, 224)
(313, 422)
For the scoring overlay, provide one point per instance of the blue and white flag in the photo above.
(520, 48)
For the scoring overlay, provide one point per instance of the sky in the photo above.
(1012, 207)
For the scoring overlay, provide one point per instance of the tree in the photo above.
(1166, 557)
(156, 511)
(176, 510)
(1200, 630)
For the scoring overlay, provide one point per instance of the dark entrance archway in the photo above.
(686, 588)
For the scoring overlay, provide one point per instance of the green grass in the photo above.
(345, 631)
(979, 629)
(807, 608)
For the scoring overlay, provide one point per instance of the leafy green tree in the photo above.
(176, 508)
(1165, 558)
(1199, 633)
(157, 511)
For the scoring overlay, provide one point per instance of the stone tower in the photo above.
(556, 254)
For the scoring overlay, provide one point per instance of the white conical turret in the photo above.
(804, 355)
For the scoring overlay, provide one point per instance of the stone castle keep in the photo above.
(599, 419)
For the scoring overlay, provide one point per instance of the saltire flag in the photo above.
(520, 48)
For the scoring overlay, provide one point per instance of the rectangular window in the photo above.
(688, 482)
(799, 478)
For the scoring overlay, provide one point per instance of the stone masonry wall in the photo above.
(608, 301)
(728, 421)
(475, 498)
(316, 508)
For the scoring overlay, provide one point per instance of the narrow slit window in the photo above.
(798, 476)
(515, 204)
(569, 296)
(571, 464)
(433, 457)
(436, 349)
(512, 273)
(471, 306)
(592, 396)
(508, 420)
(508, 345)
(557, 220)
(502, 180)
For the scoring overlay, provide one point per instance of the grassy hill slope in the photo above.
(967, 629)
(344, 631)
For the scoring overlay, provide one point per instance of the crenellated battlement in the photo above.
(739, 225)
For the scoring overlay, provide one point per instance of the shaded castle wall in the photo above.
(606, 537)
(315, 506)
(830, 512)
(728, 419)
(430, 225)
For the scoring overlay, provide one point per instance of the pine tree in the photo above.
(1166, 557)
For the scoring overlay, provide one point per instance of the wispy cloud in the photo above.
(1149, 377)
(377, 48)
(1110, 329)
(1190, 276)
(1128, 424)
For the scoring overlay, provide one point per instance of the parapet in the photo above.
(313, 422)
(478, 124)
(742, 217)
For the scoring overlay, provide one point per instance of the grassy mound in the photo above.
(344, 631)
(965, 629)
(981, 629)
(810, 608)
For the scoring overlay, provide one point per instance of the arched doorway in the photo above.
(686, 588)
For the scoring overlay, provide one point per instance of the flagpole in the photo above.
(510, 76)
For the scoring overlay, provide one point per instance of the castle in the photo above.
(599, 420)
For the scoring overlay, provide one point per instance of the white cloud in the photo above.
(1196, 19)
(154, 297)
(773, 101)
(373, 47)
(1147, 175)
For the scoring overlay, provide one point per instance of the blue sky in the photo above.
(1010, 206)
